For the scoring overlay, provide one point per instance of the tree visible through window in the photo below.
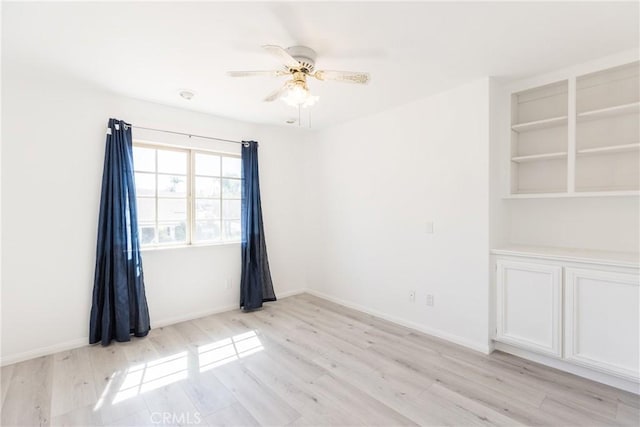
(186, 196)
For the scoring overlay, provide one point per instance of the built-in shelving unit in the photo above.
(607, 130)
(539, 120)
(577, 137)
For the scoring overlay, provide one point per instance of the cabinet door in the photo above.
(529, 307)
(602, 321)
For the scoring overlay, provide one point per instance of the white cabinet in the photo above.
(602, 326)
(529, 310)
(579, 307)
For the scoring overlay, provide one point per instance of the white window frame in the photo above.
(191, 197)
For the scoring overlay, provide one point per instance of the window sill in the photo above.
(194, 245)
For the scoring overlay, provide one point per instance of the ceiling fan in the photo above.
(299, 63)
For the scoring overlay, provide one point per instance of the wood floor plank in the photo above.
(117, 371)
(256, 397)
(73, 381)
(79, 417)
(171, 404)
(471, 411)
(370, 410)
(232, 416)
(572, 415)
(300, 361)
(302, 394)
(207, 393)
(559, 382)
(6, 372)
(141, 418)
(629, 399)
(28, 400)
(628, 415)
(501, 402)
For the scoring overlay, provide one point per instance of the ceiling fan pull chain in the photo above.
(299, 114)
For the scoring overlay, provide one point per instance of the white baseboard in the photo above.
(83, 341)
(44, 351)
(482, 348)
(186, 317)
(291, 293)
(613, 381)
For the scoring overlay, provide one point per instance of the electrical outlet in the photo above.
(229, 284)
(412, 296)
(430, 300)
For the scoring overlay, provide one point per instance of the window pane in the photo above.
(172, 185)
(231, 209)
(147, 234)
(146, 209)
(231, 189)
(144, 159)
(172, 232)
(172, 209)
(207, 231)
(207, 164)
(145, 184)
(232, 230)
(231, 167)
(207, 187)
(172, 162)
(207, 209)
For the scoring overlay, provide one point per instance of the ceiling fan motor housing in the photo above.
(304, 55)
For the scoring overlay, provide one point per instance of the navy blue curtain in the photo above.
(119, 306)
(256, 286)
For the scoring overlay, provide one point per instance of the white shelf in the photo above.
(623, 148)
(618, 110)
(539, 124)
(534, 157)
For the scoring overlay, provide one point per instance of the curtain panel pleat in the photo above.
(119, 306)
(256, 285)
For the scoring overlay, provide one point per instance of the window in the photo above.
(186, 196)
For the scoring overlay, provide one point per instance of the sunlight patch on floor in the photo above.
(227, 350)
(144, 377)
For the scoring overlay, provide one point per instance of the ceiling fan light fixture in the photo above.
(298, 95)
(299, 63)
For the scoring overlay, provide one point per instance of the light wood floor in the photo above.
(299, 361)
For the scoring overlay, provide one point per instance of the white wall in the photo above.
(376, 182)
(53, 138)
(599, 223)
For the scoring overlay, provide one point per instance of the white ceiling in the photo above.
(151, 50)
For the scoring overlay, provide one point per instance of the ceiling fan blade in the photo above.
(342, 76)
(282, 55)
(277, 93)
(278, 73)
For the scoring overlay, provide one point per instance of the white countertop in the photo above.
(621, 259)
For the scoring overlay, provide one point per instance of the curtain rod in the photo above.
(190, 135)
